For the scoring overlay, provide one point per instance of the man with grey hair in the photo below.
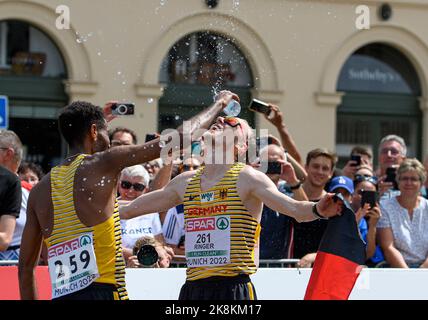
(10, 186)
(392, 152)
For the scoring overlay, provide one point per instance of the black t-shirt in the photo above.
(275, 234)
(307, 236)
(10, 193)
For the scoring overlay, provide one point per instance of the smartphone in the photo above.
(391, 174)
(150, 137)
(259, 106)
(369, 197)
(274, 168)
(181, 241)
(357, 159)
(123, 109)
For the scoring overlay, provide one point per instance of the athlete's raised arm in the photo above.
(262, 188)
(125, 156)
(157, 201)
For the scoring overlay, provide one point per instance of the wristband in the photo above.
(316, 213)
(297, 186)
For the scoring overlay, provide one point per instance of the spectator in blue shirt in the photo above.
(367, 218)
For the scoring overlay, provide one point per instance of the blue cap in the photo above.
(342, 182)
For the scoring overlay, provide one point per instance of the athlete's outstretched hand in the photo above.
(329, 206)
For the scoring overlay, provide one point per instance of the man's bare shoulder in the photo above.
(40, 193)
(43, 185)
(251, 174)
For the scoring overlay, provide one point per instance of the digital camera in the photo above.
(122, 109)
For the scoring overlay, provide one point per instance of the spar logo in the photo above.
(207, 196)
(85, 240)
(222, 223)
(202, 224)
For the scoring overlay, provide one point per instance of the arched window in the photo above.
(27, 51)
(32, 73)
(381, 97)
(196, 67)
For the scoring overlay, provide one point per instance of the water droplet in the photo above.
(99, 54)
(84, 179)
(119, 73)
(89, 198)
(177, 117)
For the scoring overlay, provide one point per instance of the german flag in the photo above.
(339, 258)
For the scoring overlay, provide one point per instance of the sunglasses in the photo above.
(137, 186)
(360, 178)
(232, 121)
(188, 168)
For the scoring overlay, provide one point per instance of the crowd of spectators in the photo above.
(394, 226)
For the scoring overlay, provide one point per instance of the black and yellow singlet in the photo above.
(221, 235)
(107, 242)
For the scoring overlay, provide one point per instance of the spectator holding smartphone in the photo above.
(360, 156)
(275, 237)
(403, 227)
(392, 152)
(367, 213)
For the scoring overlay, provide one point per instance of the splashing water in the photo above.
(235, 4)
(83, 38)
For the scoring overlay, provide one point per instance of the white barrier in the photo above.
(286, 284)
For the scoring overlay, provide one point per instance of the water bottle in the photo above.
(233, 109)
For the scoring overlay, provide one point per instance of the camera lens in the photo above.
(122, 109)
(147, 255)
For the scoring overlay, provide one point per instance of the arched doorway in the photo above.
(32, 74)
(197, 66)
(381, 97)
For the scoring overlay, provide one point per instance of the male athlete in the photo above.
(74, 209)
(222, 206)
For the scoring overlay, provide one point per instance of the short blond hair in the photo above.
(412, 164)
